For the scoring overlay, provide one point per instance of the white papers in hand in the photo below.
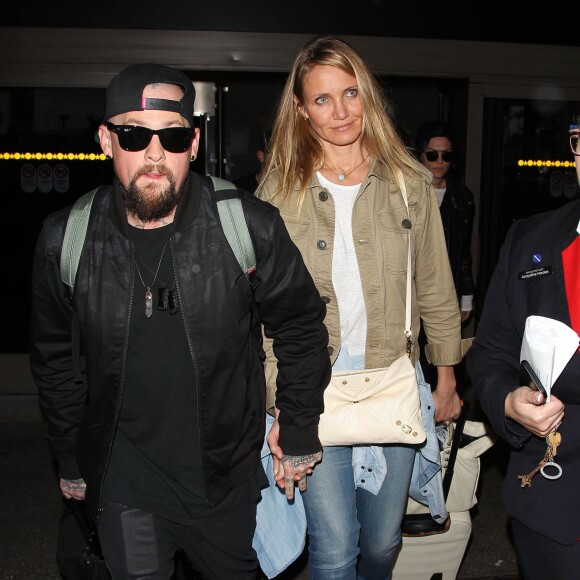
(548, 345)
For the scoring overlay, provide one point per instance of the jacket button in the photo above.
(330, 350)
(406, 223)
(321, 245)
(323, 196)
(325, 299)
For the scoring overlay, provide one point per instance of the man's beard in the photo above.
(150, 203)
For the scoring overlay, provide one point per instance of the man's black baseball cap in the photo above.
(125, 91)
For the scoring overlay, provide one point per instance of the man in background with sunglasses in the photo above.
(151, 375)
(435, 147)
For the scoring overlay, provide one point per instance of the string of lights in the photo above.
(547, 163)
(101, 157)
(52, 157)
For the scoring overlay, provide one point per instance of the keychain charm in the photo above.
(553, 440)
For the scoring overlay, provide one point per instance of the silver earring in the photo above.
(192, 158)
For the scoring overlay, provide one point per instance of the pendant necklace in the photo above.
(166, 298)
(148, 293)
(342, 174)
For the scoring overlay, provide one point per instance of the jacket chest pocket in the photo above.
(394, 226)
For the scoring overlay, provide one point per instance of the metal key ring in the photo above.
(555, 466)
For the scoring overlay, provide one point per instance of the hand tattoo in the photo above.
(296, 461)
(73, 485)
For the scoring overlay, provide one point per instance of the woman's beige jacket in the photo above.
(380, 226)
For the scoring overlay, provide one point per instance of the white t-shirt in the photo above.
(345, 270)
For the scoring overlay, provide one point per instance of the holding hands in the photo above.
(289, 469)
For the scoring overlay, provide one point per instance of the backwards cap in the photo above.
(125, 91)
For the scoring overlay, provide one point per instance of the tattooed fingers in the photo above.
(73, 488)
(289, 487)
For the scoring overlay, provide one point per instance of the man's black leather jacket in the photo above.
(215, 300)
(457, 213)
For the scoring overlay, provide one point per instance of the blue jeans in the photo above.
(354, 534)
(346, 525)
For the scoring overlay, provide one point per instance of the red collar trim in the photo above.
(571, 265)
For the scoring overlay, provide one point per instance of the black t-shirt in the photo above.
(156, 462)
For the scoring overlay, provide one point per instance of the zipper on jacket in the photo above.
(196, 373)
(123, 377)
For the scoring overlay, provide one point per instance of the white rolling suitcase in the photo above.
(437, 554)
(435, 557)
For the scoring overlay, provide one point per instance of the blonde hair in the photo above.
(295, 149)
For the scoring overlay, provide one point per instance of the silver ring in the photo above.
(555, 466)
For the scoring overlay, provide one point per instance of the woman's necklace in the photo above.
(342, 174)
(148, 293)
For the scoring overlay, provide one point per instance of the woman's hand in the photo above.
(447, 402)
(528, 408)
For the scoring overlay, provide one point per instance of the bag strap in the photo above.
(235, 227)
(455, 442)
(89, 530)
(408, 293)
(70, 255)
(74, 238)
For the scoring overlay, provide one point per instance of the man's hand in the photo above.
(295, 468)
(73, 488)
(289, 469)
(528, 408)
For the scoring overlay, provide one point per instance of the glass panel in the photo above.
(36, 125)
(527, 168)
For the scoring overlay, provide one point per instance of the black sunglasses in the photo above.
(135, 138)
(432, 155)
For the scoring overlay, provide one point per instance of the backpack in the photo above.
(231, 215)
(235, 228)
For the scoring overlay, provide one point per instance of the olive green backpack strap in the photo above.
(231, 215)
(235, 227)
(70, 255)
(74, 238)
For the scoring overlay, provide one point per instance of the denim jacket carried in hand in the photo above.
(280, 533)
(427, 481)
(281, 526)
(370, 468)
